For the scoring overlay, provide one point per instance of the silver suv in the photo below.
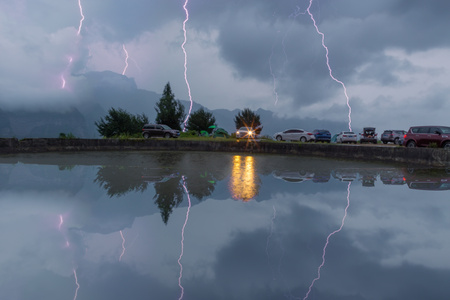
(159, 130)
(393, 136)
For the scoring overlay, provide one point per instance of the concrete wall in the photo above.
(412, 156)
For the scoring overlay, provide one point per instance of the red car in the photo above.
(422, 136)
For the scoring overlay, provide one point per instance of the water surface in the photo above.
(162, 225)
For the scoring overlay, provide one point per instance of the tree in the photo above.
(247, 118)
(201, 120)
(168, 110)
(119, 121)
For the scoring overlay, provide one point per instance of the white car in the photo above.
(294, 135)
(347, 137)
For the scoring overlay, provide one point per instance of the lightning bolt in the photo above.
(329, 67)
(328, 240)
(185, 62)
(274, 79)
(123, 245)
(77, 284)
(274, 86)
(63, 79)
(82, 18)
(182, 239)
(126, 59)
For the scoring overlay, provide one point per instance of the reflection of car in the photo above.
(427, 135)
(245, 133)
(294, 135)
(159, 130)
(393, 136)
(345, 174)
(392, 177)
(321, 176)
(322, 135)
(346, 137)
(368, 135)
(293, 176)
(428, 179)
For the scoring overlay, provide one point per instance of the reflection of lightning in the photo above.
(185, 62)
(82, 17)
(328, 65)
(76, 282)
(126, 59)
(182, 239)
(123, 245)
(271, 231)
(61, 222)
(328, 240)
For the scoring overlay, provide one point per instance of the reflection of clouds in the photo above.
(244, 181)
(32, 236)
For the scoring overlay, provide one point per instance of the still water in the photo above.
(161, 225)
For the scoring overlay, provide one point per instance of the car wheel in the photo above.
(167, 135)
(446, 145)
(411, 144)
(302, 139)
(146, 135)
(396, 141)
(279, 138)
(384, 142)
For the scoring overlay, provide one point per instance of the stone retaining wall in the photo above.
(412, 156)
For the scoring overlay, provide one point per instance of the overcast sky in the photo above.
(391, 55)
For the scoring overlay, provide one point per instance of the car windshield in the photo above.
(445, 129)
(349, 132)
(243, 129)
(166, 127)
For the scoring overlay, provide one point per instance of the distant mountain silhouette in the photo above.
(96, 92)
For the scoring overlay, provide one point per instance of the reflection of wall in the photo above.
(244, 181)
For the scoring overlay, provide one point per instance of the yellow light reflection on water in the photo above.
(244, 182)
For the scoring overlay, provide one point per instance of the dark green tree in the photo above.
(201, 120)
(247, 118)
(168, 110)
(119, 121)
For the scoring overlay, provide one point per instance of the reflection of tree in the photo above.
(119, 180)
(169, 194)
(200, 185)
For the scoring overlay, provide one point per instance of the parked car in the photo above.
(393, 136)
(322, 135)
(245, 133)
(422, 136)
(368, 135)
(159, 130)
(294, 135)
(347, 137)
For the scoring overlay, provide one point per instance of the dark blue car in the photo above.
(322, 135)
